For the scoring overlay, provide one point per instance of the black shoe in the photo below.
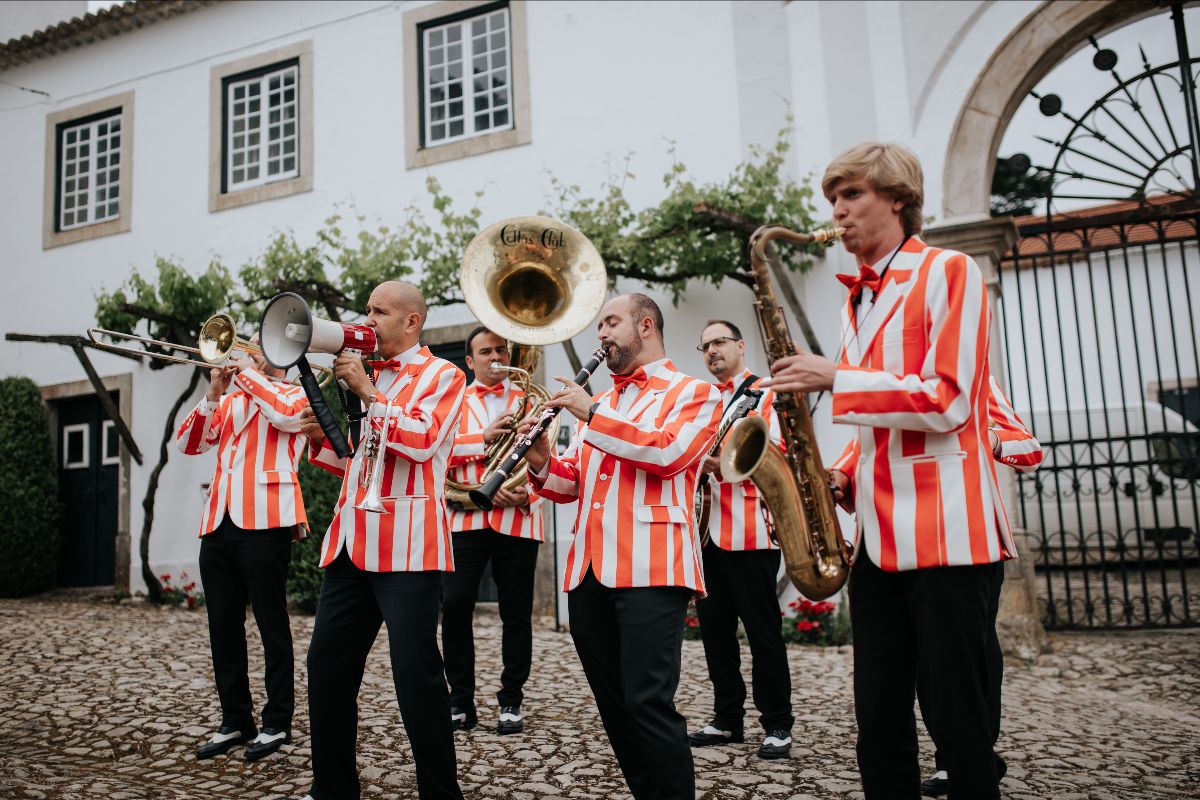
(463, 720)
(511, 720)
(713, 733)
(269, 740)
(936, 785)
(224, 740)
(776, 744)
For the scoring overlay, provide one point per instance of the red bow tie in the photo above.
(865, 279)
(396, 364)
(496, 389)
(638, 378)
(727, 386)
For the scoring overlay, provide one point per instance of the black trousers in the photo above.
(929, 626)
(995, 680)
(629, 643)
(352, 606)
(741, 584)
(239, 566)
(513, 563)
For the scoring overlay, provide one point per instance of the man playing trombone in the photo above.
(507, 536)
(254, 509)
(386, 568)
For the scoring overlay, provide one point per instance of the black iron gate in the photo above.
(1100, 310)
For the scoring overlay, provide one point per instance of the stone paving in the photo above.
(109, 701)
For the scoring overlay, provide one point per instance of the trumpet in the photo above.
(217, 342)
(371, 472)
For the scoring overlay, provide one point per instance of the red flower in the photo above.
(165, 577)
(191, 602)
(190, 586)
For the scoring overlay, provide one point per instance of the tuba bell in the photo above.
(533, 281)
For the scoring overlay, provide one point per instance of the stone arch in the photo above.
(1043, 39)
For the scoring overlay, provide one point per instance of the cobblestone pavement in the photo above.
(101, 700)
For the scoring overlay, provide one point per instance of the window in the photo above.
(110, 445)
(88, 170)
(466, 78)
(467, 66)
(75, 446)
(261, 128)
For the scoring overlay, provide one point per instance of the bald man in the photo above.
(386, 568)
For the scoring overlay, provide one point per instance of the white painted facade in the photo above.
(606, 79)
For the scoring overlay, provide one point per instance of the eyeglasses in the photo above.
(719, 341)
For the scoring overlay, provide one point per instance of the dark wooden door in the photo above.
(88, 462)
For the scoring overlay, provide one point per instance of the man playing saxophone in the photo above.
(634, 561)
(913, 377)
(741, 564)
(386, 568)
(507, 536)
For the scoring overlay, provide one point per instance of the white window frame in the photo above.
(264, 157)
(419, 152)
(108, 434)
(222, 192)
(88, 116)
(469, 96)
(79, 147)
(85, 429)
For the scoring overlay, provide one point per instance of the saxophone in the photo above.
(792, 484)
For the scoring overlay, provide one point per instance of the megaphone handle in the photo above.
(316, 400)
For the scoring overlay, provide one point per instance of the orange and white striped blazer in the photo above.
(257, 426)
(914, 377)
(466, 466)
(633, 471)
(735, 521)
(413, 534)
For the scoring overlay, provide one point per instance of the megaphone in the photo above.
(289, 331)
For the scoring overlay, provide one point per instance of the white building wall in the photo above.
(607, 80)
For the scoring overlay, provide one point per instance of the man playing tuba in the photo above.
(507, 536)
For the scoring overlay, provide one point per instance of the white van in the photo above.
(1116, 484)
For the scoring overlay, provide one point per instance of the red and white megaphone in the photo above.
(289, 331)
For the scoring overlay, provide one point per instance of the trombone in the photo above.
(217, 341)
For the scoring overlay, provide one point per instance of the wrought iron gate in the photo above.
(1100, 310)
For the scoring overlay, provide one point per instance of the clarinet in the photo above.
(482, 497)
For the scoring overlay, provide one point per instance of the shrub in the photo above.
(183, 595)
(691, 622)
(28, 491)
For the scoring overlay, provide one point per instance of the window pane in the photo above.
(501, 117)
(456, 127)
(438, 132)
(478, 27)
(481, 122)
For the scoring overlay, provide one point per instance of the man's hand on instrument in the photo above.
(573, 398)
(498, 427)
(711, 464)
(516, 498)
(218, 381)
(803, 372)
(539, 452)
(243, 362)
(310, 427)
(349, 370)
(839, 484)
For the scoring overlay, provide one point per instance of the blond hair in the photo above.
(891, 169)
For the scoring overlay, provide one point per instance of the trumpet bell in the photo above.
(218, 338)
(533, 280)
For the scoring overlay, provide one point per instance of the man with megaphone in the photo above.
(386, 568)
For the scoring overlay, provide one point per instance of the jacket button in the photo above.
(603, 476)
(595, 505)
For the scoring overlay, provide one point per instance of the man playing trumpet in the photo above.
(386, 568)
(507, 536)
(253, 511)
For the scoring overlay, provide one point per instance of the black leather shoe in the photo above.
(224, 740)
(936, 785)
(713, 733)
(511, 720)
(776, 744)
(268, 741)
(463, 719)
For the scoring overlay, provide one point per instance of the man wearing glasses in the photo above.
(741, 564)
